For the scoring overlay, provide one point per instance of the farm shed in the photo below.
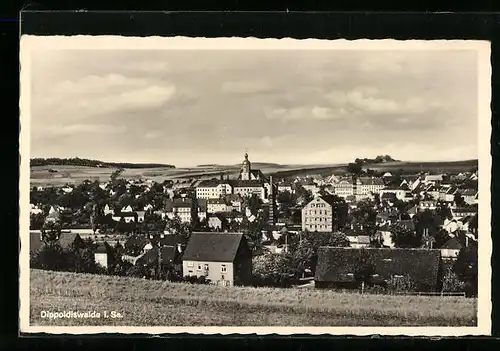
(336, 266)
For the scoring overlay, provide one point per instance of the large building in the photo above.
(213, 189)
(247, 173)
(368, 186)
(325, 213)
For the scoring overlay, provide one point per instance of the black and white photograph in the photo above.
(244, 185)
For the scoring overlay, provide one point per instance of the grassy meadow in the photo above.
(157, 303)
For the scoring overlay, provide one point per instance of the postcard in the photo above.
(254, 186)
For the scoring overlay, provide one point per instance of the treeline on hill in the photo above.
(378, 159)
(92, 163)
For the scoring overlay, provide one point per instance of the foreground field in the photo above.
(154, 303)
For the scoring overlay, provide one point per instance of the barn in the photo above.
(337, 266)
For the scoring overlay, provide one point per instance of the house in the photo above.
(234, 202)
(427, 205)
(140, 216)
(412, 211)
(364, 187)
(359, 241)
(246, 188)
(103, 254)
(168, 256)
(384, 235)
(223, 258)
(218, 205)
(451, 226)
(183, 208)
(433, 178)
(463, 211)
(127, 217)
(387, 175)
(469, 196)
(333, 179)
(202, 209)
(344, 188)
(337, 266)
(285, 187)
(399, 194)
(54, 215)
(324, 213)
(213, 189)
(451, 249)
(108, 210)
(35, 209)
(308, 184)
(216, 222)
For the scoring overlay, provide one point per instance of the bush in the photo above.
(192, 279)
(451, 282)
(400, 284)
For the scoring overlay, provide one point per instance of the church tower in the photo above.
(245, 169)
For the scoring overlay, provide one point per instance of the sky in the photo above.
(284, 106)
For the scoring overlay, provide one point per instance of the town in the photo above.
(392, 231)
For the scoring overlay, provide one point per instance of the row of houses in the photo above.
(226, 259)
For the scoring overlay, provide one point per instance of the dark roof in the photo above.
(407, 223)
(202, 204)
(247, 183)
(67, 239)
(103, 248)
(209, 183)
(136, 241)
(172, 240)
(213, 247)
(168, 255)
(422, 265)
(217, 201)
(453, 243)
(125, 214)
(35, 241)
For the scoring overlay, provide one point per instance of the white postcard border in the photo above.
(29, 44)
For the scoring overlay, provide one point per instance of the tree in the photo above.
(49, 257)
(304, 249)
(466, 268)
(354, 168)
(272, 269)
(404, 237)
(459, 199)
(365, 268)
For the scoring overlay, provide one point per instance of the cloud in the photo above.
(245, 87)
(314, 113)
(370, 100)
(83, 129)
(109, 94)
(152, 135)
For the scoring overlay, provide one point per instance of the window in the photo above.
(206, 266)
(190, 271)
(199, 267)
(190, 264)
(223, 268)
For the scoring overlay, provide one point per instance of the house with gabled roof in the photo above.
(469, 195)
(223, 258)
(451, 249)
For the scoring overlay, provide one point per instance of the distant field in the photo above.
(40, 175)
(156, 303)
